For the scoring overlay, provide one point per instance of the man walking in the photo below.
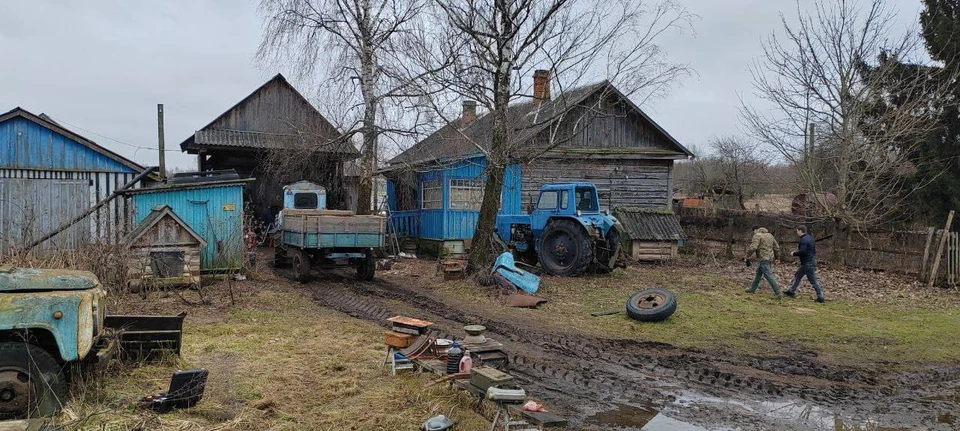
(765, 249)
(807, 252)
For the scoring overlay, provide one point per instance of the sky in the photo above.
(100, 67)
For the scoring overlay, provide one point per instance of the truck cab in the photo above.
(563, 230)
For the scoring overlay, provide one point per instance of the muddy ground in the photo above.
(631, 384)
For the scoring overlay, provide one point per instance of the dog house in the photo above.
(163, 251)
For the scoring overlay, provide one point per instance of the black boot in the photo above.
(790, 293)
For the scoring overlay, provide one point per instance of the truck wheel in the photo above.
(31, 382)
(607, 253)
(565, 249)
(301, 265)
(367, 268)
(280, 256)
(651, 305)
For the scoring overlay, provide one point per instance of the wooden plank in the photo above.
(943, 239)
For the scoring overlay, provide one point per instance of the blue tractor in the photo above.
(566, 231)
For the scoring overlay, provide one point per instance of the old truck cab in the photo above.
(52, 317)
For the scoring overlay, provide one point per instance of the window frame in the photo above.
(473, 188)
(314, 197)
(432, 186)
(556, 201)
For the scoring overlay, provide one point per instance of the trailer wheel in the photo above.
(367, 268)
(301, 265)
(280, 256)
(565, 249)
(651, 305)
(31, 382)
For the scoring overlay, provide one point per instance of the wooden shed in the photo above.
(163, 250)
(653, 235)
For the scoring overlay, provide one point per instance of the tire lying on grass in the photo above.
(651, 305)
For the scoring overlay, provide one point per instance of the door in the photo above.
(550, 204)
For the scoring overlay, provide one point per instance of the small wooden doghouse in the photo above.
(163, 250)
(653, 235)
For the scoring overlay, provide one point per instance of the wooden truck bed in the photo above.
(332, 229)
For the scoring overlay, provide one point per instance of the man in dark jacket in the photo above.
(807, 252)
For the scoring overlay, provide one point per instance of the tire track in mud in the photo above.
(580, 374)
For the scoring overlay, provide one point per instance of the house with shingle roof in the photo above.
(591, 133)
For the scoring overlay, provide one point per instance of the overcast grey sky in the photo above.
(101, 66)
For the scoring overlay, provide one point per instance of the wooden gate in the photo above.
(953, 259)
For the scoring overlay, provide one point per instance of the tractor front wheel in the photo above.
(31, 382)
(565, 249)
(301, 265)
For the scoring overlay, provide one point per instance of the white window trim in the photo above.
(470, 185)
(434, 185)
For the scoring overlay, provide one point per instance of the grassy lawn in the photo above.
(889, 325)
(277, 361)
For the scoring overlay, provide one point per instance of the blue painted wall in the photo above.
(28, 145)
(454, 224)
(207, 211)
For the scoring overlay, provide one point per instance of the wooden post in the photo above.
(163, 156)
(943, 240)
(926, 254)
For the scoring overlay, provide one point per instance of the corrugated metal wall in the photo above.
(46, 193)
(28, 145)
(215, 213)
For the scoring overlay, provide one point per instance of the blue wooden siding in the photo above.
(454, 224)
(25, 144)
(215, 213)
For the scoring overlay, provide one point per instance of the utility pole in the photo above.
(163, 157)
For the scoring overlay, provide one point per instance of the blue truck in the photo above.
(51, 319)
(310, 236)
(566, 232)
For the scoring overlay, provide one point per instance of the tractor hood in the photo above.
(29, 279)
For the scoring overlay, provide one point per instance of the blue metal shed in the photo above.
(212, 209)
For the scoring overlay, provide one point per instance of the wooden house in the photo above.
(591, 133)
(274, 125)
(50, 175)
(163, 250)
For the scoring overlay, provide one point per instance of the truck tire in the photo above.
(651, 305)
(280, 256)
(367, 268)
(32, 382)
(565, 249)
(605, 254)
(301, 265)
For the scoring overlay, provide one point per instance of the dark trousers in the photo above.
(763, 271)
(808, 270)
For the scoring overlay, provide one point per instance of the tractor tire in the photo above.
(367, 268)
(651, 305)
(565, 249)
(280, 259)
(301, 265)
(32, 383)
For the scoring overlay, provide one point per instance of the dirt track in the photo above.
(627, 384)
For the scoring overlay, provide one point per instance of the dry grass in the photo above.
(277, 361)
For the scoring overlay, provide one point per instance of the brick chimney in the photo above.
(541, 86)
(469, 113)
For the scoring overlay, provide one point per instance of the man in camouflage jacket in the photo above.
(765, 249)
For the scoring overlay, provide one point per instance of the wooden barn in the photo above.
(274, 126)
(591, 133)
(50, 175)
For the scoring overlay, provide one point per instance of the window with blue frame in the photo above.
(466, 194)
(431, 195)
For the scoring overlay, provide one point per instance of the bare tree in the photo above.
(740, 167)
(828, 72)
(353, 44)
(491, 45)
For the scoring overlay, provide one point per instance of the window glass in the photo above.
(548, 201)
(305, 201)
(431, 195)
(466, 194)
(563, 200)
(586, 200)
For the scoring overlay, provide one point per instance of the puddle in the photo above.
(624, 416)
(946, 418)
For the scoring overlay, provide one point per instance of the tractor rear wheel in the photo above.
(31, 382)
(301, 265)
(280, 255)
(565, 249)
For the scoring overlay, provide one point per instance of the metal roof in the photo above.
(646, 224)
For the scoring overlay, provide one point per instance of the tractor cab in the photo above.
(304, 195)
(576, 200)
